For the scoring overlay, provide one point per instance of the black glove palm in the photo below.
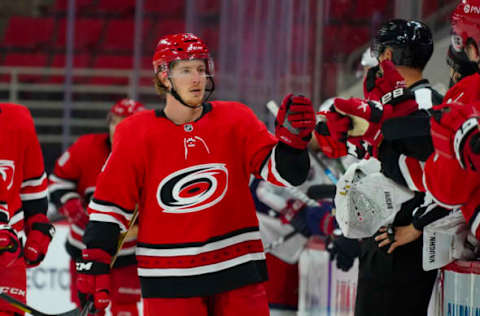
(344, 250)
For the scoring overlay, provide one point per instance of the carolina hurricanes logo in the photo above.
(7, 170)
(193, 189)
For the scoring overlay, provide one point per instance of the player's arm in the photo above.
(63, 186)
(9, 244)
(33, 193)
(288, 162)
(111, 209)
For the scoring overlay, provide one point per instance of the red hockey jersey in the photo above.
(465, 91)
(74, 176)
(449, 184)
(198, 231)
(21, 165)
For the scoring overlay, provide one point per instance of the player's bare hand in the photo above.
(397, 236)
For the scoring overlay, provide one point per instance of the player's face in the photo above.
(190, 78)
(114, 120)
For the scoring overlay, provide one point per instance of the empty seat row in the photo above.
(37, 33)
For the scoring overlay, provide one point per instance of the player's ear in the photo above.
(472, 52)
(163, 77)
(387, 54)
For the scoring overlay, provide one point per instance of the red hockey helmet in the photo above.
(466, 23)
(182, 46)
(126, 107)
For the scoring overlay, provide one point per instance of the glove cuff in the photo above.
(97, 255)
(461, 135)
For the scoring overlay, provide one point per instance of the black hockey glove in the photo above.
(344, 250)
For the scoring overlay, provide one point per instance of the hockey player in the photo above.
(72, 185)
(24, 203)
(455, 127)
(391, 278)
(281, 212)
(187, 168)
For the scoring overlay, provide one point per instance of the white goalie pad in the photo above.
(446, 240)
(367, 200)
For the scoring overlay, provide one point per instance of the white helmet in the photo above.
(368, 60)
(367, 200)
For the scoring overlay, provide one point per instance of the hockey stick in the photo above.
(274, 244)
(273, 108)
(32, 311)
(121, 241)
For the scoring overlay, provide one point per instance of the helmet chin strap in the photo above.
(175, 94)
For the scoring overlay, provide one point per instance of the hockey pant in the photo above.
(250, 300)
(124, 287)
(393, 284)
(282, 284)
(13, 282)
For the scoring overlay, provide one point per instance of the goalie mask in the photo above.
(367, 200)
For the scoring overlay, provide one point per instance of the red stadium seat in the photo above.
(168, 26)
(27, 32)
(87, 33)
(167, 8)
(25, 60)
(119, 35)
(61, 5)
(112, 62)
(115, 6)
(59, 61)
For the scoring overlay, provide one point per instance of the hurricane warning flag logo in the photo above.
(193, 189)
(7, 171)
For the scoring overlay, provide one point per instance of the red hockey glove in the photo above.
(331, 148)
(39, 235)
(377, 84)
(75, 212)
(367, 117)
(295, 121)
(9, 246)
(331, 133)
(93, 281)
(456, 134)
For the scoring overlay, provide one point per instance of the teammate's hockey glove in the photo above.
(344, 250)
(331, 133)
(378, 83)
(295, 121)
(39, 235)
(93, 281)
(75, 212)
(9, 246)
(367, 117)
(456, 133)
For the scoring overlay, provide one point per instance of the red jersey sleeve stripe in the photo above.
(109, 218)
(35, 182)
(412, 171)
(57, 183)
(4, 215)
(270, 173)
(107, 207)
(34, 196)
